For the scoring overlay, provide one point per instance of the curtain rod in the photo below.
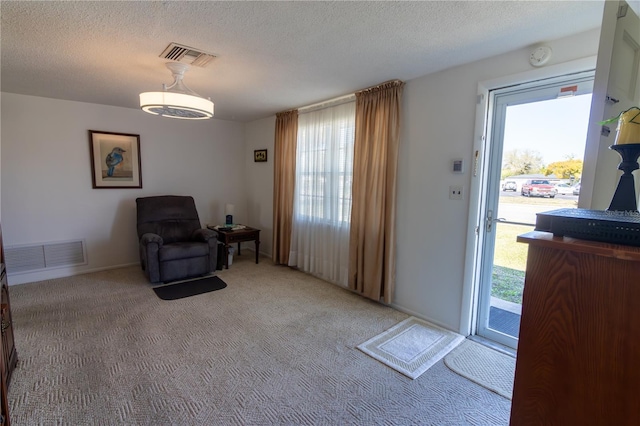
(318, 105)
(342, 99)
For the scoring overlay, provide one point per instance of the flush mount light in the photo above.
(177, 100)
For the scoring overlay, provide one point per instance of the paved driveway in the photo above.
(516, 208)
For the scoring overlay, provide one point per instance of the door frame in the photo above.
(500, 99)
(479, 170)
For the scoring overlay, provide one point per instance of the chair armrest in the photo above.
(204, 235)
(149, 238)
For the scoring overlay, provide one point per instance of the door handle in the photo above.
(489, 220)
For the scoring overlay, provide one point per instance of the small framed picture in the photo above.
(260, 155)
(115, 160)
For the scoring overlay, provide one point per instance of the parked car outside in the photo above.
(510, 185)
(576, 189)
(538, 188)
(563, 189)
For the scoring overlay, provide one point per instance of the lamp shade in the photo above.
(176, 105)
(228, 209)
(177, 100)
(628, 127)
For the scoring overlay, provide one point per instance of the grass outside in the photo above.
(508, 252)
(509, 263)
(507, 284)
(510, 256)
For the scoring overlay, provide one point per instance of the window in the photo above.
(324, 168)
(322, 195)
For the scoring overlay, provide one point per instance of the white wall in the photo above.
(438, 126)
(46, 189)
(260, 135)
(0, 163)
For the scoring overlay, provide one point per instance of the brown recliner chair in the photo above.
(173, 246)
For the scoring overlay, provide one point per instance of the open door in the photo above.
(534, 151)
(616, 89)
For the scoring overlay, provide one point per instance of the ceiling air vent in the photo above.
(189, 55)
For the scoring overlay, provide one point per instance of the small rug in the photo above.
(412, 346)
(184, 289)
(485, 366)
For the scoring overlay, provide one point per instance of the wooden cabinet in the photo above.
(6, 367)
(8, 354)
(578, 360)
(4, 403)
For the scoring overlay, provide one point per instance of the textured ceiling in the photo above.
(272, 56)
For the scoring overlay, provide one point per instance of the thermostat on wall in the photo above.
(457, 166)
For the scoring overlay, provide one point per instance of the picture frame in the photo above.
(115, 160)
(260, 156)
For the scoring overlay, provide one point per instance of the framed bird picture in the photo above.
(115, 160)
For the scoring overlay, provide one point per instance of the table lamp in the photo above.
(228, 211)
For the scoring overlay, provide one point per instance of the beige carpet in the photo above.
(275, 347)
(412, 346)
(485, 366)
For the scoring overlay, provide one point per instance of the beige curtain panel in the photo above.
(284, 174)
(372, 237)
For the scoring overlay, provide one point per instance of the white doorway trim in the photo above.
(478, 170)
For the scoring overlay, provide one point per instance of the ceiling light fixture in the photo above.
(177, 100)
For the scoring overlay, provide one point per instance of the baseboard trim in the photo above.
(422, 317)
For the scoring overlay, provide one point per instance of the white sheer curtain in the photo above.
(322, 198)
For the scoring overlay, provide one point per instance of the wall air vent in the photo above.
(38, 257)
(180, 53)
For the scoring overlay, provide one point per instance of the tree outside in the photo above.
(567, 169)
(524, 162)
(521, 162)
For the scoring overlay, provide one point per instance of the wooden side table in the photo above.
(238, 236)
